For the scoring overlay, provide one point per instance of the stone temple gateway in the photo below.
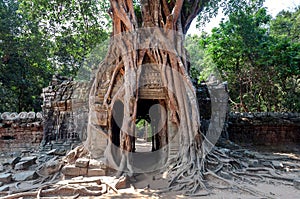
(106, 121)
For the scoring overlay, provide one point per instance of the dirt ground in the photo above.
(150, 185)
(154, 184)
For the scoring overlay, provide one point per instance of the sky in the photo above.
(274, 7)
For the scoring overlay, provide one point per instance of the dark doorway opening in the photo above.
(151, 113)
(116, 122)
(151, 131)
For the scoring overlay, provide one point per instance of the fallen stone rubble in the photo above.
(49, 174)
(66, 174)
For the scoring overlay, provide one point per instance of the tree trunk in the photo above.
(156, 40)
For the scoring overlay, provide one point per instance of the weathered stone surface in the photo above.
(1, 183)
(19, 133)
(13, 161)
(4, 188)
(5, 178)
(25, 175)
(22, 165)
(1, 168)
(82, 162)
(96, 172)
(25, 163)
(71, 170)
(51, 152)
(225, 175)
(60, 152)
(28, 159)
(252, 163)
(65, 104)
(249, 154)
(50, 167)
(277, 164)
(267, 129)
(297, 183)
(122, 183)
(95, 164)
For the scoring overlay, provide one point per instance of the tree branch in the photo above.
(196, 8)
(120, 13)
(177, 10)
(166, 8)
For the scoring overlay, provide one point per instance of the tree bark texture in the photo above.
(152, 39)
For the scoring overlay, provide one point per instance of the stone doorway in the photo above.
(151, 145)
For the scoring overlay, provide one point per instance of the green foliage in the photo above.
(201, 63)
(40, 38)
(24, 68)
(287, 25)
(212, 8)
(75, 27)
(262, 69)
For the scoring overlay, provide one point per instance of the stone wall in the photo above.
(65, 111)
(65, 115)
(23, 131)
(264, 128)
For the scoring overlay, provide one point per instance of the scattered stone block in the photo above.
(97, 164)
(5, 178)
(51, 152)
(4, 188)
(225, 175)
(122, 183)
(249, 154)
(25, 175)
(28, 159)
(296, 183)
(277, 164)
(96, 172)
(82, 162)
(71, 170)
(25, 163)
(50, 167)
(1, 183)
(59, 152)
(253, 163)
(13, 161)
(94, 164)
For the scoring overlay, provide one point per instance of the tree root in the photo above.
(70, 189)
(221, 171)
(63, 190)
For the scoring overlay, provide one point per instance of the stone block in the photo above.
(5, 178)
(96, 164)
(277, 164)
(96, 172)
(25, 175)
(296, 183)
(82, 162)
(122, 183)
(4, 188)
(13, 161)
(252, 162)
(25, 163)
(60, 152)
(71, 170)
(50, 167)
(225, 175)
